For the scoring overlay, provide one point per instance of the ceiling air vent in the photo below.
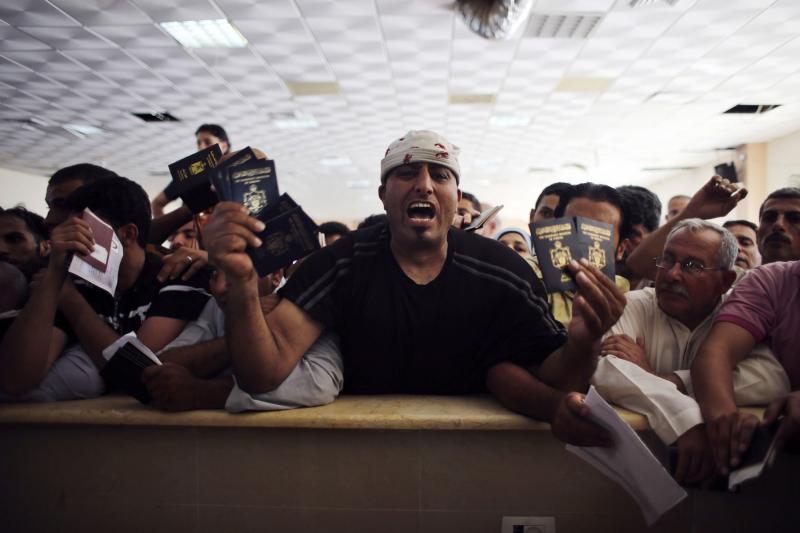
(562, 26)
(750, 109)
(156, 117)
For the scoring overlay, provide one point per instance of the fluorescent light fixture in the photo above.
(83, 129)
(335, 161)
(293, 120)
(217, 33)
(507, 121)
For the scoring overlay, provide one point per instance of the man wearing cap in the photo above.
(420, 307)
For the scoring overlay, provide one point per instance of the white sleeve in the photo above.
(759, 378)
(669, 412)
(316, 380)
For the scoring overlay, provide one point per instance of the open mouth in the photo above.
(421, 211)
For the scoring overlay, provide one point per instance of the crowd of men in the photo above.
(700, 320)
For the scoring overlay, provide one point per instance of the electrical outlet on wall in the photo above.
(528, 524)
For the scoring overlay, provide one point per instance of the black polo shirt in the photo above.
(485, 306)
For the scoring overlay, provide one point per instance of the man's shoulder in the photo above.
(487, 258)
(644, 297)
(773, 277)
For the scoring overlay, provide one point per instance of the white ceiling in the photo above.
(646, 89)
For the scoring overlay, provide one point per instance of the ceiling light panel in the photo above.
(205, 33)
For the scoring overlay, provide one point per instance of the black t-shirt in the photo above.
(147, 297)
(6, 319)
(486, 306)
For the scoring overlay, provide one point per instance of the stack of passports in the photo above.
(559, 241)
(290, 233)
(124, 371)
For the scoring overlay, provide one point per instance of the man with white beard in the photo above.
(649, 351)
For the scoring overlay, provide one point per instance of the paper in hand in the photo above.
(759, 456)
(629, 462)
(101, 268)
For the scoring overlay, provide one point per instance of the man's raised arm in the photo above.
(263, 351)
(715, 199)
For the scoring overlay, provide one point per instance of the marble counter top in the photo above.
(399, 412)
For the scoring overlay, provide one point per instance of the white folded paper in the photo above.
(105, 280)
(629, 462)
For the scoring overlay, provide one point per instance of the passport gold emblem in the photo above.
(197, 167)
(276, 244)
(597, 256)
(560, 256)
(255, 200)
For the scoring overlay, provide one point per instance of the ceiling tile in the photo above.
(34, 13)
(179, 10)
(136, 36)
(12, 39)
(67, 38)
(103, 12)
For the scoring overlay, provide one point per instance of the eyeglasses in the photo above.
(691, 267)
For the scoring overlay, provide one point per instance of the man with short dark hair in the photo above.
(644, 210)
(779, 226)
(333, 231)
(23, 239)
(156, 311)
(420, 307)
(546, 203)
(598, 202)
(63, 182)
(762, 307)
(746, 235)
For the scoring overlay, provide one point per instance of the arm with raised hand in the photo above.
(715, 199)
(263, 350)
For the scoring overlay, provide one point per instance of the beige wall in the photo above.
(771, 165)
(116, 478)
(21, 187)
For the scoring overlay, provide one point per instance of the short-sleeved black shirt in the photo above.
(148, 297)
(486, 306)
